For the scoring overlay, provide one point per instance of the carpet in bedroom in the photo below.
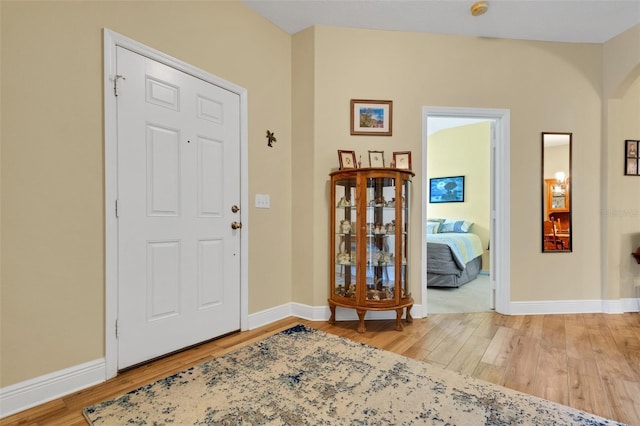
(474, 296)
(302, 376)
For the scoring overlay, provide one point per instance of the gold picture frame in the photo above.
(372, 118)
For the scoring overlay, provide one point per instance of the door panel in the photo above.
(163, 171)
(178, 176)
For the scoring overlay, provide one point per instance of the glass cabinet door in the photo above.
(404, 239)
(345, 238)
(385, 239)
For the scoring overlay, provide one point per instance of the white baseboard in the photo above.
(614, 306)
(27, 394)
(630, 305)
(30, 393)
(318, 313)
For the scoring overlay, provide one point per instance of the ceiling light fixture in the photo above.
(479, 8)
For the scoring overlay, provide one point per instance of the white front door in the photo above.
(178, 180)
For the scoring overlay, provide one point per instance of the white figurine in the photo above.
(343, 202)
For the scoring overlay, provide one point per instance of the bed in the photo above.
(453, 259)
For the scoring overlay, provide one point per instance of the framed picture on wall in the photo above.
(631, 158)
(446, 189)
(373, 118)
(631, 167)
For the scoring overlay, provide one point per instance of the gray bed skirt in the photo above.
(442, 270)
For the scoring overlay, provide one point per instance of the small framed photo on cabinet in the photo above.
(402, 160)
(376, 158)
(347, 159)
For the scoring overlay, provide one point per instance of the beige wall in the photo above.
(52, 141)
(463, 150)
(52, 162)
(621, 206)
(546, 86)
(303, 152)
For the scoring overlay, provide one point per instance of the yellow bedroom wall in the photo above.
(463, 150)
(52, 311)
(546, 86)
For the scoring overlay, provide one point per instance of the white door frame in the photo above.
(500, 209)
(110, 42)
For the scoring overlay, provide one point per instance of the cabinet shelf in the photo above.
(369, 242)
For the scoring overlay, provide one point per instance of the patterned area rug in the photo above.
(303, 376)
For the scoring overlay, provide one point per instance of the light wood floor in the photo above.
(590, 361)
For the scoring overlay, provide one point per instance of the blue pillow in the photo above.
(432, 227)
(455, 226)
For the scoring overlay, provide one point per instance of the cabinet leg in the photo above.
(409, 317)
(332, 318)
(399, 319)
(361, 327)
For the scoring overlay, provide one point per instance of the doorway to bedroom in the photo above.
(463, 157)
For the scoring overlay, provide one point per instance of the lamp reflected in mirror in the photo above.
(556, 192)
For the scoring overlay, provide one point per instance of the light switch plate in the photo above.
(263, 201)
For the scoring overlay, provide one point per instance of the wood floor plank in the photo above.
(523, 361)
(468, 357)
(588, 361)
(586, 391)
(500, 348)
(624, 399)
(578, 342)
(552, 375)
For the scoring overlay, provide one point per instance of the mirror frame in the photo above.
(544, 194)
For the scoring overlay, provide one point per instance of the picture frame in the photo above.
(402, 160)
(376, 158)
(631, 148)
(631, 167)
(371, 117)
(347, 159)
(448, 189)
(631, 158)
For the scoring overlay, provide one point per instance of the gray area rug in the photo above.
(302, 376)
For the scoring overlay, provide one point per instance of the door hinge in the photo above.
(115, 83)
(117, 331)
(117, 210)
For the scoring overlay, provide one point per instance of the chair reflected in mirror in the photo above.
(551, 240)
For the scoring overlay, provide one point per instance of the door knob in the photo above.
(236, 225)
(235, 209)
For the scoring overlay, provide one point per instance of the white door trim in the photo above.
(501, 213)
(110, 41)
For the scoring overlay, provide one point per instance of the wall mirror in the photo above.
(556, 192)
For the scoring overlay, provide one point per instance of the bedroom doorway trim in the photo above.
(499, 256)
(111, 41)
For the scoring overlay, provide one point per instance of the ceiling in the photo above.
(580, 21)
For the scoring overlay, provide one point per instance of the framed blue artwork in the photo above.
(446, 189)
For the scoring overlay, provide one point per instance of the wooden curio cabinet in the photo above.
(370, 241)
(558, 206)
